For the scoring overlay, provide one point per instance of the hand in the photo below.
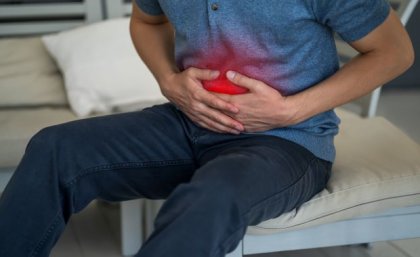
(185, 90)
(262, 108)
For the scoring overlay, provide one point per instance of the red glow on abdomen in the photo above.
(227, 55)
(224, 86)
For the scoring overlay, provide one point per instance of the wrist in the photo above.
(294, 107)
(165, 80)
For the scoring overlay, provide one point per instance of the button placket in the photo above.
(213, 8)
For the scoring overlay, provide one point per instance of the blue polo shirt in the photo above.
(288, 44)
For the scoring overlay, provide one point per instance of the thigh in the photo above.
(117, 157)
(267, 175)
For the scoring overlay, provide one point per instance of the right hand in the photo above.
(185, 90)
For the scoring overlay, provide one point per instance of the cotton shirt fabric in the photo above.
(288, 44)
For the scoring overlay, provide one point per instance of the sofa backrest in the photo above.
(39, 18)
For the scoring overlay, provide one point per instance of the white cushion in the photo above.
(101, 68)
(377, 168)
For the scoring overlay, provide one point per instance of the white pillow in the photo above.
(101, 68)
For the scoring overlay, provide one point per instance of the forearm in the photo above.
(386, 53)
(357, 78)
(155, 45)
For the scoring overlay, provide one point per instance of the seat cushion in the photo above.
(377, 168)
(18, 126)
(28, 75)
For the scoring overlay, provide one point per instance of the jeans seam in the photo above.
(228, 238)
(45, 236)
(125, 165)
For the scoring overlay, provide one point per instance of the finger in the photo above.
(203, 74)
(242, 80)
(219, 103)
(223, 119)
(216, 126)
(207, 123)
(202, 124)
(201, 110)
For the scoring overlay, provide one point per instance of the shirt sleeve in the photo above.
(351, 19)
(151, 7)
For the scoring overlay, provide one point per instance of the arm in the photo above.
(385, 53)
(153, 38)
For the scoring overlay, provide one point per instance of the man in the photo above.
(222, 161)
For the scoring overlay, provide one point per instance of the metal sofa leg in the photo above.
(131, 226)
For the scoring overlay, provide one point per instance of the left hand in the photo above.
(262, 108)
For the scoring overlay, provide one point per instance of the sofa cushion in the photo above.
(377, 168)
(18, 126)
(101, 68)
(28, 75)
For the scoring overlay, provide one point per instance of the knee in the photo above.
(47, 138)
(57, 138)
(41, 140)
(39, 165)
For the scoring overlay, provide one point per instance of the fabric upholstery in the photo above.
(19, 125)
(28, 75)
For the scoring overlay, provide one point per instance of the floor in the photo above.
(95, 231)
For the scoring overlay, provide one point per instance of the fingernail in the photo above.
(230, 75)
(236, 132)
(215, 73)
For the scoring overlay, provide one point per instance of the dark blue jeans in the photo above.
(215, 184)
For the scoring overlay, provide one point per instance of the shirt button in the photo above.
(214, 7)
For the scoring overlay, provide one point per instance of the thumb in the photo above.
(241, 80)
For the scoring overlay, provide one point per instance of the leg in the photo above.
(239, 183)
(116, 157)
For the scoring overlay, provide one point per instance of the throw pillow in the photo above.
(102, 71)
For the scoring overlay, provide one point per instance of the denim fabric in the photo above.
(215, 184)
